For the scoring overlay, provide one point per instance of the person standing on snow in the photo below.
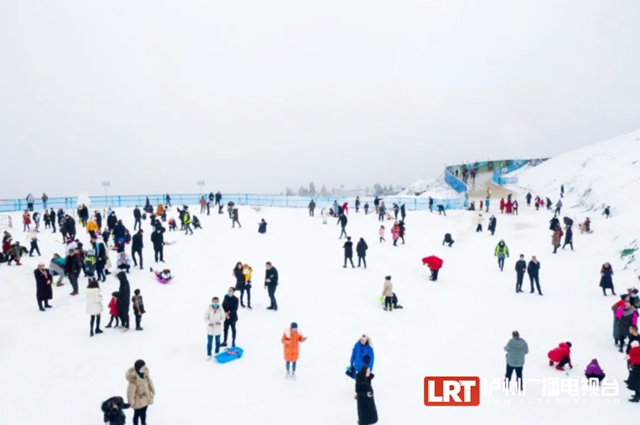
(342, 221)
(44, 280)
(606, 279)
(136, 247)
(568, 237)
(366, 208)
(533, 270)
(140, 392)
(376, 204)
(291, 339)
(556, 239)
(33, 239)
(521, 268)
(357, 204)
(493, 222)
(430, 204)
(403, 212)
(480, 220)
(401, 230)
(516, 349)
(157, 238)
(361, 250)
(241, 284)
(387, 293)
(271, 284)
(396, 210)
(230, 307)
(361, 355)
(94, 305)
(138, 308)
(367, 412)
(529, 199)
(123, 301)
(561, 355)
(325, 214)
(348, 252)
(502, 252)
(214, 317)
(312, 208)
(558, 207)
(234, 217)
(72, 268)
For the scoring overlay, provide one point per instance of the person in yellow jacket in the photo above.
(247, 271)
(92, 227)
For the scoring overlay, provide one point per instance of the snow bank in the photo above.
(606, 173)
(436, 188)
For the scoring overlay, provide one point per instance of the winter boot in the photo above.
(224, 344)
(550, 363)
(559, 368)
(98, 330)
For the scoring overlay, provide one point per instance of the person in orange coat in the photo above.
(291, 340)
(160, 210)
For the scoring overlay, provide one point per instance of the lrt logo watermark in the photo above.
(451, 391)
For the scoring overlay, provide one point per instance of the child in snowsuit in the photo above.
(113, 309)
(113, 411)
(291, 340)
(593, 371)
(172, 225)
(138, 308)
(90, 264)
(395, 234)
(381, 234)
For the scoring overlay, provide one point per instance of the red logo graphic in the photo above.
(451, 391)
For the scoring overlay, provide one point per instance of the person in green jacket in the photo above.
(502, 252)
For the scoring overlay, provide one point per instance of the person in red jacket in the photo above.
(502, 205)
(633, 381)
(561, 355)
(113, 309)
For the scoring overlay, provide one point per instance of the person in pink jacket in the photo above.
(395, 234)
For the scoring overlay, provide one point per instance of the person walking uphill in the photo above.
(361, 355)
(271, 283)
(502, 252)
(361, 250)
(348, 252)
(367, 412)
(517, 348)
(214, 317)
(342, 221)
(234, 217)
(44, 292)
(140, 392)
(291, 339)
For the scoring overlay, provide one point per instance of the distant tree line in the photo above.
(376, 189)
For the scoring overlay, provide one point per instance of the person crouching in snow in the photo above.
(448, 239)
(113, 309)
(561, 355)
(196, 222)
(113, 411)
(361, 355)
(387, 293)
(172, 225)
(262, 226)
(123, 262)
(593, 371)
(291, 340)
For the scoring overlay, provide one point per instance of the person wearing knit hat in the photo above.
(291, 339)
(140, 392)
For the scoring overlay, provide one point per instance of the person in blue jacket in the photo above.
(362, 355)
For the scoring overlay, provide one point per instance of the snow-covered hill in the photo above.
(436, 188)
(596, 176)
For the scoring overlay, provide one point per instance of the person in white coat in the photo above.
(94, 305)
(480, 220)
(214, 316)
(325, 214)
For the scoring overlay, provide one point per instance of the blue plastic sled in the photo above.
(229, 355)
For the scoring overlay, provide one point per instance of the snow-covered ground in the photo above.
(436, 188)
(519, 171)
(596, 176)
(53, 372)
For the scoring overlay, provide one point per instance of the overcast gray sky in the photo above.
(253, 96)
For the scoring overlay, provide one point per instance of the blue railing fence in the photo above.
(130, 201)
(498, 175)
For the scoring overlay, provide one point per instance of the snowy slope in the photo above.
(456, 326)
(436, 188)
(606, 173)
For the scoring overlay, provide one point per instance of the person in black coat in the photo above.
(230, 307)
(157, 238)
(402, 230)
(113, 411)
(124, 294)
(72, 268)
(270, 284)
(448, 239)
(403, 212)
(101, 257)
(493, 223)
(119, 231)
(262, 226)
(70, 226)
(137, 216)
(529, 199)
(241, 284)
(533, 270)
(52, 218)
(112, 220)
(568, 237)
(361, 250)
(44, 293)
(367, 412)
(136, 247)
(553, 223)
(99, 220)
(521, 268)
(348, 252)
(606, 279)
(342, 221)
